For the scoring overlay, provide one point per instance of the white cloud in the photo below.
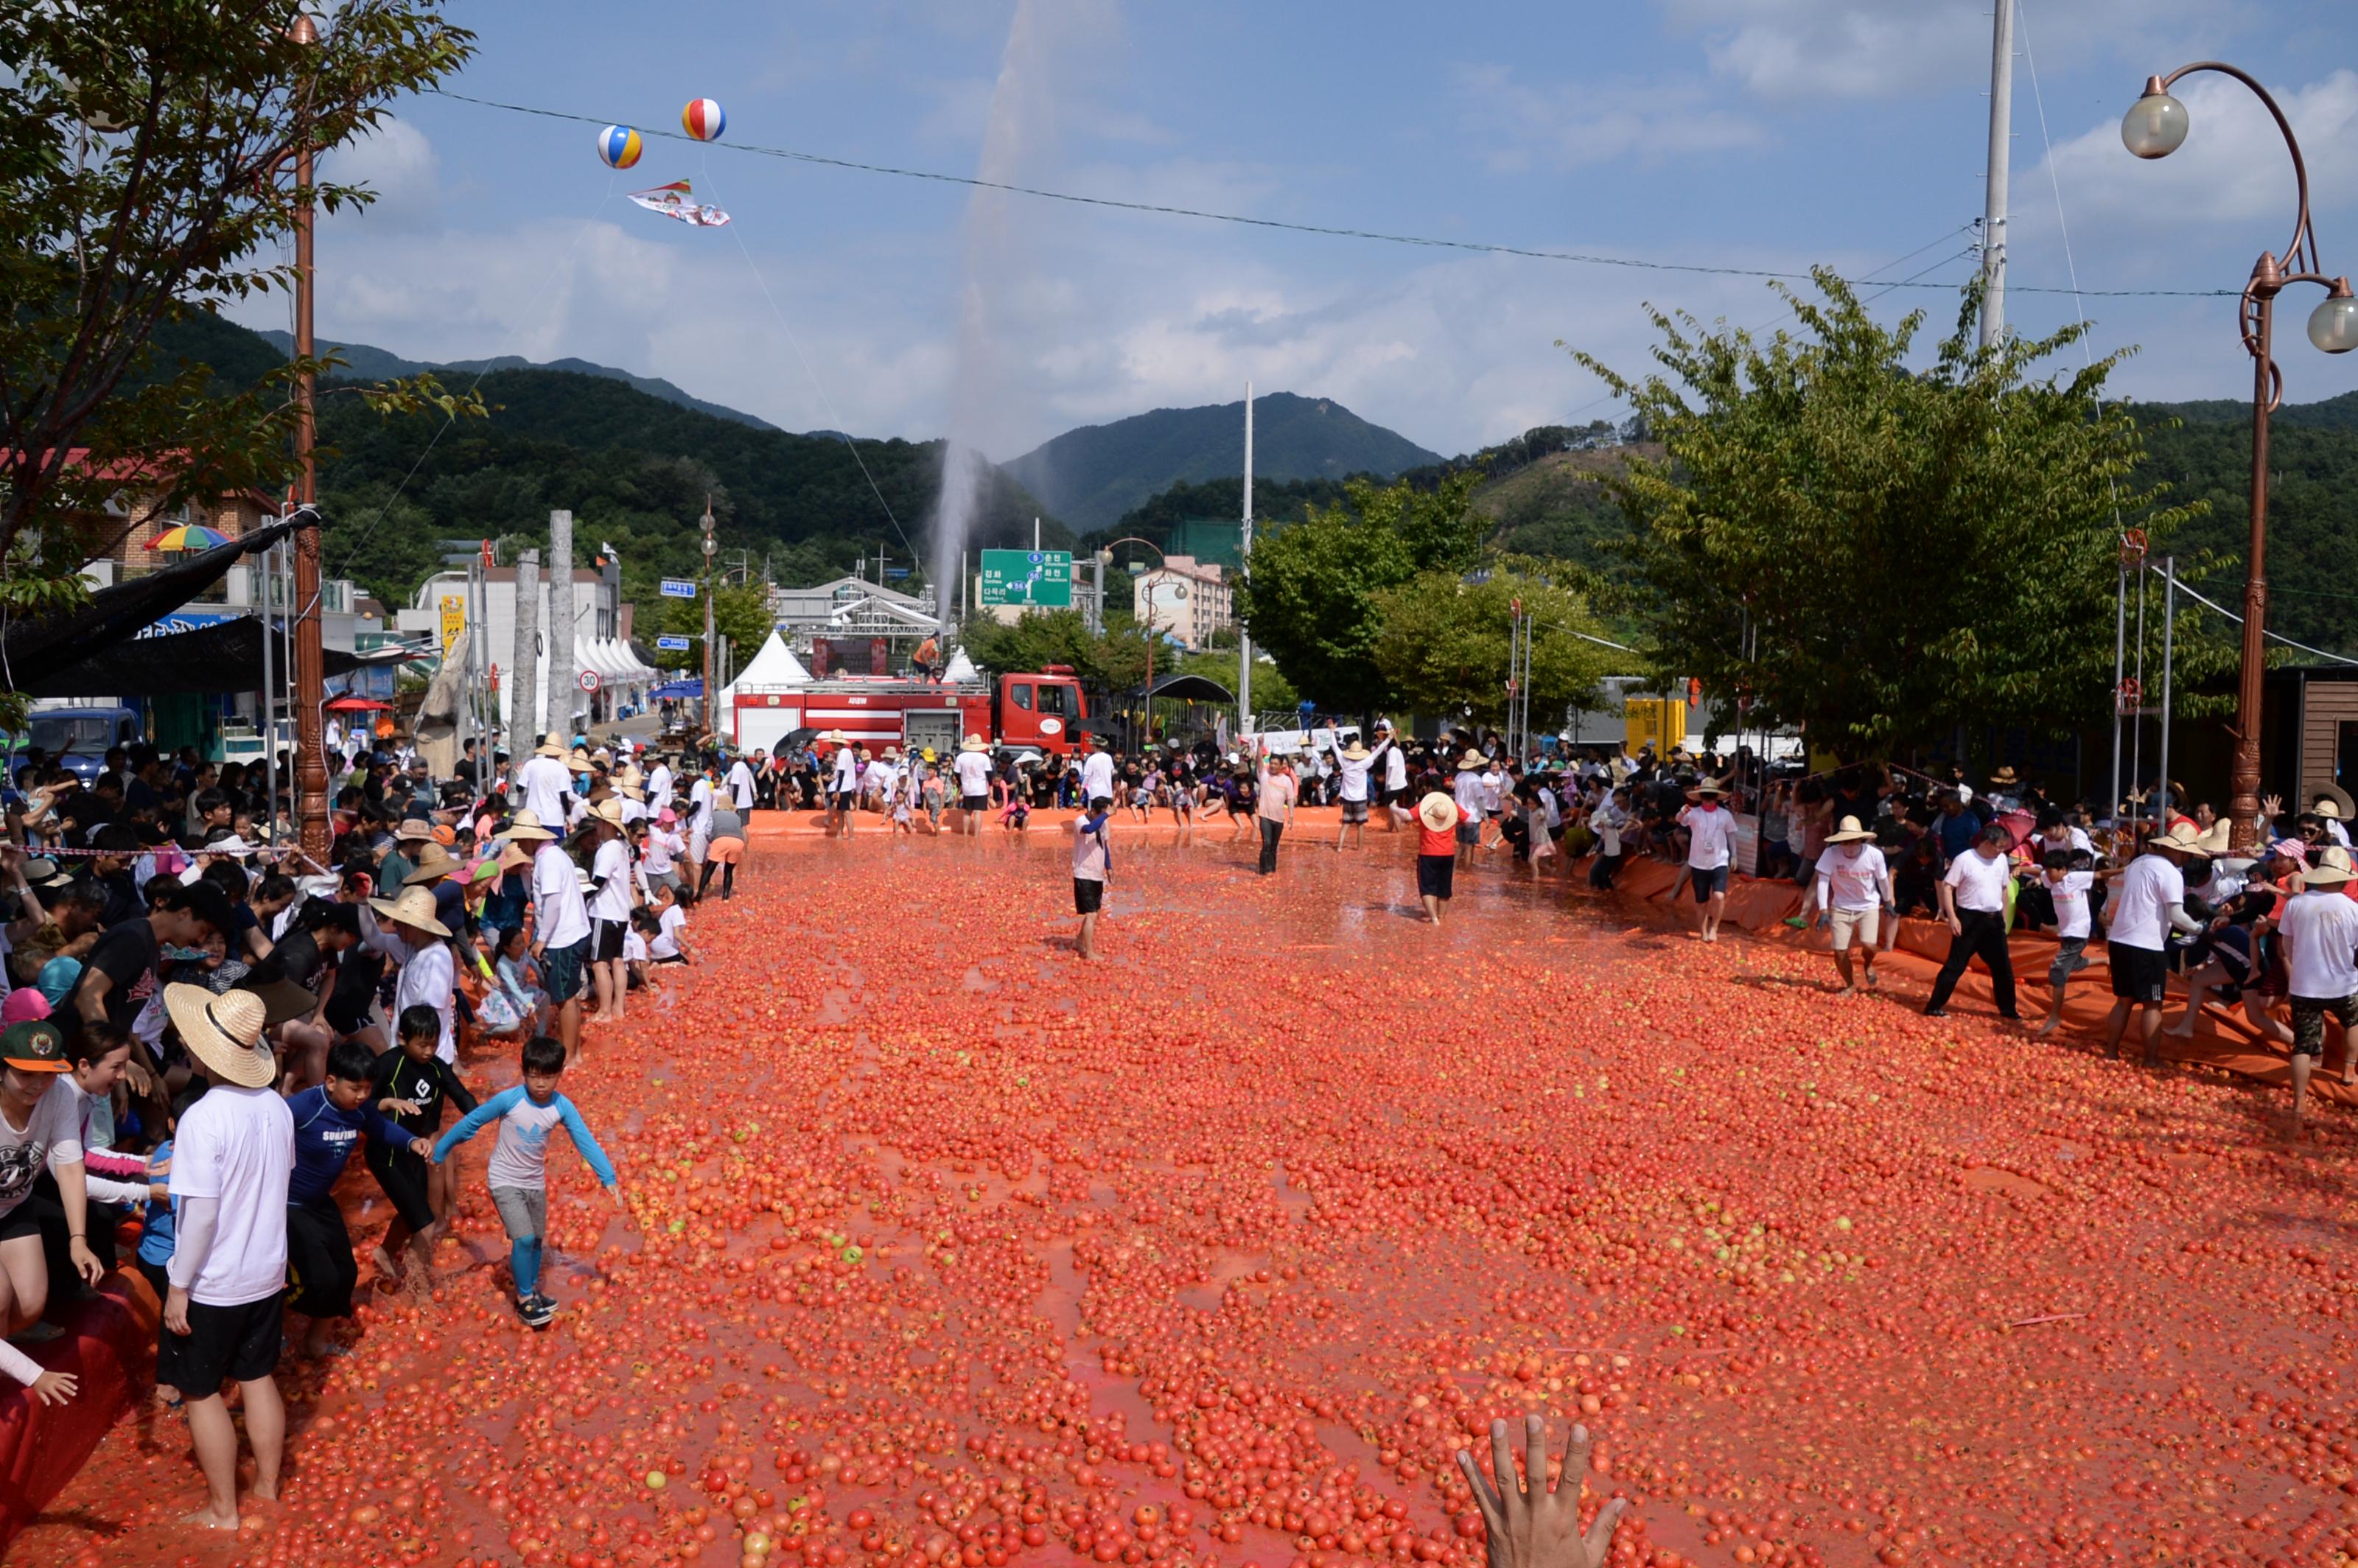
(2234, 169)
(397, 162)
(1571, 125)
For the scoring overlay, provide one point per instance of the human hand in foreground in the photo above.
(1528, 1525)
(55, 1388)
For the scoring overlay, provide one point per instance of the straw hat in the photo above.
(1354, 750)
(515, 857)
(525, 825)
(2180, 837)
(607, 811)
(2004, 776)
(2214, 838)
(433, 865)
(974, 743)
(1709, 789)
(551, 745)
(1470, 760)
(2327, 807)
(836, 738)
(579, 761)
(1849, 832)
(414, 907)
(1437, 812)
(2332, 869)
(414, 830)
(892, 754)
(224, 1032)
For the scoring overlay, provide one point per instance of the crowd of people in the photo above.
(203, 1028)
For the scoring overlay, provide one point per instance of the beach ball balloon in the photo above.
(617, 146)
(703, 119)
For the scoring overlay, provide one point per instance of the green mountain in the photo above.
(362, 362)
(634, 468)
(1090, 477)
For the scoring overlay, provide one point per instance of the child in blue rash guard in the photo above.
(330, 1121)
(518, 1170)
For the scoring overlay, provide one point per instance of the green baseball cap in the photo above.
(35, 1045)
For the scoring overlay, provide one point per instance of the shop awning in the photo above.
(223, 657)
(37, 650)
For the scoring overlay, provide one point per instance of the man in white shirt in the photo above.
(1972, 901)
(1353, 762)
(659, 788)
(1853, 886)
(2148, 904)
(560, 929)
(741, 786)
(1711, 849)
(611, 897)
(973, 770)
(842, 784)
(1395, 762)
(699, 818)
(2319, 930)
(1097, 775)
(232, 1156)
(546, 781)
(1466, 790)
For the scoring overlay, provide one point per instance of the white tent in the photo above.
(775, 667)
(773, 671)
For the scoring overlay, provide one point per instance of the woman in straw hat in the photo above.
(232, 1160)
(1853, 886)
(611, 898)
(409, 930)
(1711, 845)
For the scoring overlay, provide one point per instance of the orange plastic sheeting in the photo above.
(109, 1345)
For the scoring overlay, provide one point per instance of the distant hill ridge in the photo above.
(1091, 476)
(362, 362)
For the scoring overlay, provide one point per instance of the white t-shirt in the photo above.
(740, 784)
(1851, 881)
(2141, 903)
(659, 787)
(2075, 839)
(429, 977)
(1980, 880)
(1467, 792)
(2320, 930)
(613, 899)
(973, 770)
(560, 917)
(237, 1146)
(2070, 897)
(845, 772)
(634, 947)
(661, 844)
(1395, 767)
(1711, 836)
(52, 1138)
(546, 782)
(673, 920)
(1096, 776)
(699, 806)
(1494, 789)
(1354, 776)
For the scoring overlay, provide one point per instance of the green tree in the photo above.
(144, 174)
(740, 613)
(1443, 644)
(1113, 662)
(1309, 596)
(1878, 550)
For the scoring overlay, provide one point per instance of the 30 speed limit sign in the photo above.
(588, 679)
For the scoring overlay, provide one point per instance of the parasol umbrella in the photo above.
(188, 536)
(357, 704)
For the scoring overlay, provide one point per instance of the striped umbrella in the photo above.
(188, 536)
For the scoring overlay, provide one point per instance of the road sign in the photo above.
(589, 680)
(672, 644)
(454, 618)
(1042, 578)
(679, 588)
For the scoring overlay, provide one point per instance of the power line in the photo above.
(1332, 231)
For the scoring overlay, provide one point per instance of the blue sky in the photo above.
(1769, 133)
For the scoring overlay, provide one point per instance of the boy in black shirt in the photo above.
(412, 1084)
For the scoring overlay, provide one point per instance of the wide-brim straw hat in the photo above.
(1470, 760)
(432, 866)
(1849, 832)
(1707, 790)
(551, 745)
(2332, 869)
(526, 824)
(2004, 776)
(224, 1032)
(2327, 807)
(413, 829)
(1437, 812)
(2181, 837)
(608, 811)
(1354, 750)
(2214, 838)
(413, 908)
(836, 738)
(581, 763)
(974, 743)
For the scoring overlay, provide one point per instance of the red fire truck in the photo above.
(1044, 711)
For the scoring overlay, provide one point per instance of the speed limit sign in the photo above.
(589, 680)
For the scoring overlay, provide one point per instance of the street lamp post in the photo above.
(2155, 128)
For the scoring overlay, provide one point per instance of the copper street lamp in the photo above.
(2155, 128)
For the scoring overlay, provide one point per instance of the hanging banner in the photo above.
(454, 620)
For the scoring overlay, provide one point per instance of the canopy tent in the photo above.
(678, 690)
(773, 668)
(1187, 689)
(225, 656)
(42, 646)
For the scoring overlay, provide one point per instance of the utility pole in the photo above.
(709, 548)
(2001, 138)
(1244, 560)
(561, 613)
(310, 666)
(524, 677)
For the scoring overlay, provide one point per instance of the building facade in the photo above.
(1188, 599)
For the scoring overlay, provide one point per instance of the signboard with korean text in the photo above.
(1041, 578)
